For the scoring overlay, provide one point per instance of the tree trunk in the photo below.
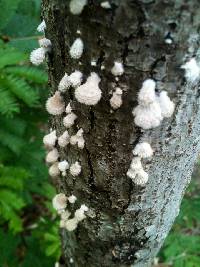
(126, 224)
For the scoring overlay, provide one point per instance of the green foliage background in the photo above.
(28, 227)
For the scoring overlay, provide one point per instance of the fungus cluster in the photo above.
(152, 108)
(136, 171)
(67, 220)
(192, 70)
(76, 6)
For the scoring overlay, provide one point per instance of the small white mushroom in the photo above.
(75, 78)
(64, 83)
(117, 69)
(75, 169)
(166, 105)
(59, 201)
(45, 43)
(106, 5)
(63, 166)
(147, 93)
(89, 93)
(76, 6)
(53, 170)
(68, 109)
(64, 139)
(52, 156)
(80, 213)
(78, 139)
(69, 120)
(37, 56)
(72, 199)
(49, 140)
(41, 27)
(55, 105)
(143, 150)
(192, 70)
(76, 49)
(116, 99)
(71, 224)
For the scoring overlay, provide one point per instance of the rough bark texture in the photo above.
(127, 224)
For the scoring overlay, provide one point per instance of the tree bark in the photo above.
(127, 224)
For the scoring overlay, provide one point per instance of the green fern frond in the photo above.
(16, 126)
(21, 89)
(8, 104)
(29, 73)
(10, 56)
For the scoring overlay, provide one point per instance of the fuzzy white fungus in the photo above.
(63, 166)
(64, 83)
(76, 49)
(75, 169)
(136, 172)
(147, 93)
(78, 139)
(106, 5)
(37, 56)
(45, 43)
(75, 78)
(64, 139)
(143, 150)
(116, 99)
(55, 105)
(117, 69)
(192, 70)
(41, 27)
(89, 93)
(141, 178)
(72, 199)
(166, 105)
(49, 140)
(76, 6)
(71, 224)
(69, 120)
(80, 213)
(52, 156)
(59, 201)
(53, 170)
(68, 109)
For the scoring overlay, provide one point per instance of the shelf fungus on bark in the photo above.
(192, 70)
(89, 93)
(69, 120)
(116, 99)
(55, 105)
(72, 199)
(45, 43)
(76, 6)
(137, 173)
(152, 108)
(64, 139)
(63, 166)
(76, 49)
(78, 139)
(106, 5)
(117, 69)
(52, 156)
(37, 56)
(75, 169)
(74, 80)
(49, 140)
(41, 27)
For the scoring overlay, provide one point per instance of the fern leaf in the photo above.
(8, 104)
(10, 56)
(29, 73)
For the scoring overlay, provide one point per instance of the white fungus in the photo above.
(55, 105)
(89, 93)
(75, 78)
(69, 120)
(76, 6)
(63, 166)
(41, 27)
(37, 56)
(143, 150)
(80, 213)
(78, 139)
(52, 156)
(136, 172)
(64, 139)
(65, 215)
(152, 108)
(116, 99)
(68, 109)
(72, 199)
(75, 169)
(117, 69)
(166, 105)
(53, 170)
(64, 83)
(106, 5)
(71, 224)
(45, 43)
(147, 93)
(192, 70)
(59, 201)
(76, 49)
(49, 140)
